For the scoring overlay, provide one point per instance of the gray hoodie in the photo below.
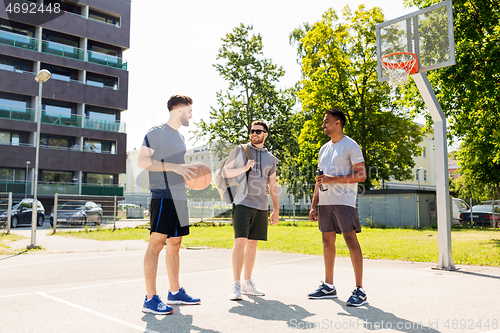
(253, 193)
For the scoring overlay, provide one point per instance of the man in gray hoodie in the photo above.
(250, 205)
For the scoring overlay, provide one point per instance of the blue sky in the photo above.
(174, 45)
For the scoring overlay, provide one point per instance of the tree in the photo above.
(251, 95)
(468, 91)
(339, 69)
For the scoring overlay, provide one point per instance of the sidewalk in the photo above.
(78, 285)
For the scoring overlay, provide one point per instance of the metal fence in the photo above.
(5, 211)
(208, 210)
(73, 210)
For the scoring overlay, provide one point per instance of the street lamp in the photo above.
(418, 176)
(42, 76)
(26, 184)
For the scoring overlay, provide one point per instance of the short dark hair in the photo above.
(337, 114)
(261, 123)
(176, 100)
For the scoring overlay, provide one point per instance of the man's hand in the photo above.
(325, 179)
(186, 171)
(275, 217)
(313, 215)
(250, 164)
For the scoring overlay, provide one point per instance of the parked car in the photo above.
(482, 216)
(458, 206)
(21, 213)
(78, 212)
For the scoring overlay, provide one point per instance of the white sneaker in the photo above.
(249, 288)
(236, 293)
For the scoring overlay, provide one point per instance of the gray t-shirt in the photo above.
(253, 193)
(169, 146)
(337, 159)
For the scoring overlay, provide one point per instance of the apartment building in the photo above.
(82, 138)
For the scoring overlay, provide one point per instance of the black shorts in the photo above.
(338, 218)
(169, 217)
(249, 223)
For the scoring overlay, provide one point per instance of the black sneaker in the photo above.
(357, 298)
(323, 292)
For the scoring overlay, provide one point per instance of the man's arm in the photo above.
(273, 191)
(312, 213)
(146, 161)
(357, 176)
(229, 170)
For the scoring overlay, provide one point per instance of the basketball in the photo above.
(202, 179)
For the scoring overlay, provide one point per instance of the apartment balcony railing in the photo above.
(17, 40)
(106, 60)
(27, 114)
(57, 119)
(51, 188)
(7, 112)
(62, 50)
(103, 125)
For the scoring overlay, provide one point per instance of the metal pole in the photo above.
(293, 197)
(54, 220)
(471, 220)
(213, 211)
(202, 204)
(442, 181)
(9, 213)
(26, 185)
(114, 215)
(35, 185)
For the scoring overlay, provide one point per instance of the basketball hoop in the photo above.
(400, 65)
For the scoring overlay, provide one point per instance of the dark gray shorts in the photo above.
(338, 218)
(249, 223)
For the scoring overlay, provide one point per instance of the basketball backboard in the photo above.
(428, 33)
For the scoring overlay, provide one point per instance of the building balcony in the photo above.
(57, 119)
(17, 40)
(17, 114)
(62, 50)
(51, 188)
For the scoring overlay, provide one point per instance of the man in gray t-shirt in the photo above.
(162, 154)
(343, 166)
(250, 205)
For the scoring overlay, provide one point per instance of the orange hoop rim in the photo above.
(401, 65)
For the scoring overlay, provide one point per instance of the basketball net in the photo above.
(400, 65)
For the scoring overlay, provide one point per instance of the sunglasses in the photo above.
(257, 131)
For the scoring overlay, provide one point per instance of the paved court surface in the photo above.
(77, 285)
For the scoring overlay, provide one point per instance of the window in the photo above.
(95, 146)
(14, 103)
(57, 176)
(59, 110)
(96, 114)
(12, 175)
(99, 178)
(417, 174)
(53, 142)
(102, 82)
(424, 152)
(10, 65)
(8, 138)
(104, 18)
(425, 175)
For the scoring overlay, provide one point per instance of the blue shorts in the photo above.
(169, 217)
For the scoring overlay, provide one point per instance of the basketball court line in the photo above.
(105, 316)
(62, 260)
(142, 279)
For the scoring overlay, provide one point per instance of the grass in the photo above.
(470, 246)
(5, 239)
